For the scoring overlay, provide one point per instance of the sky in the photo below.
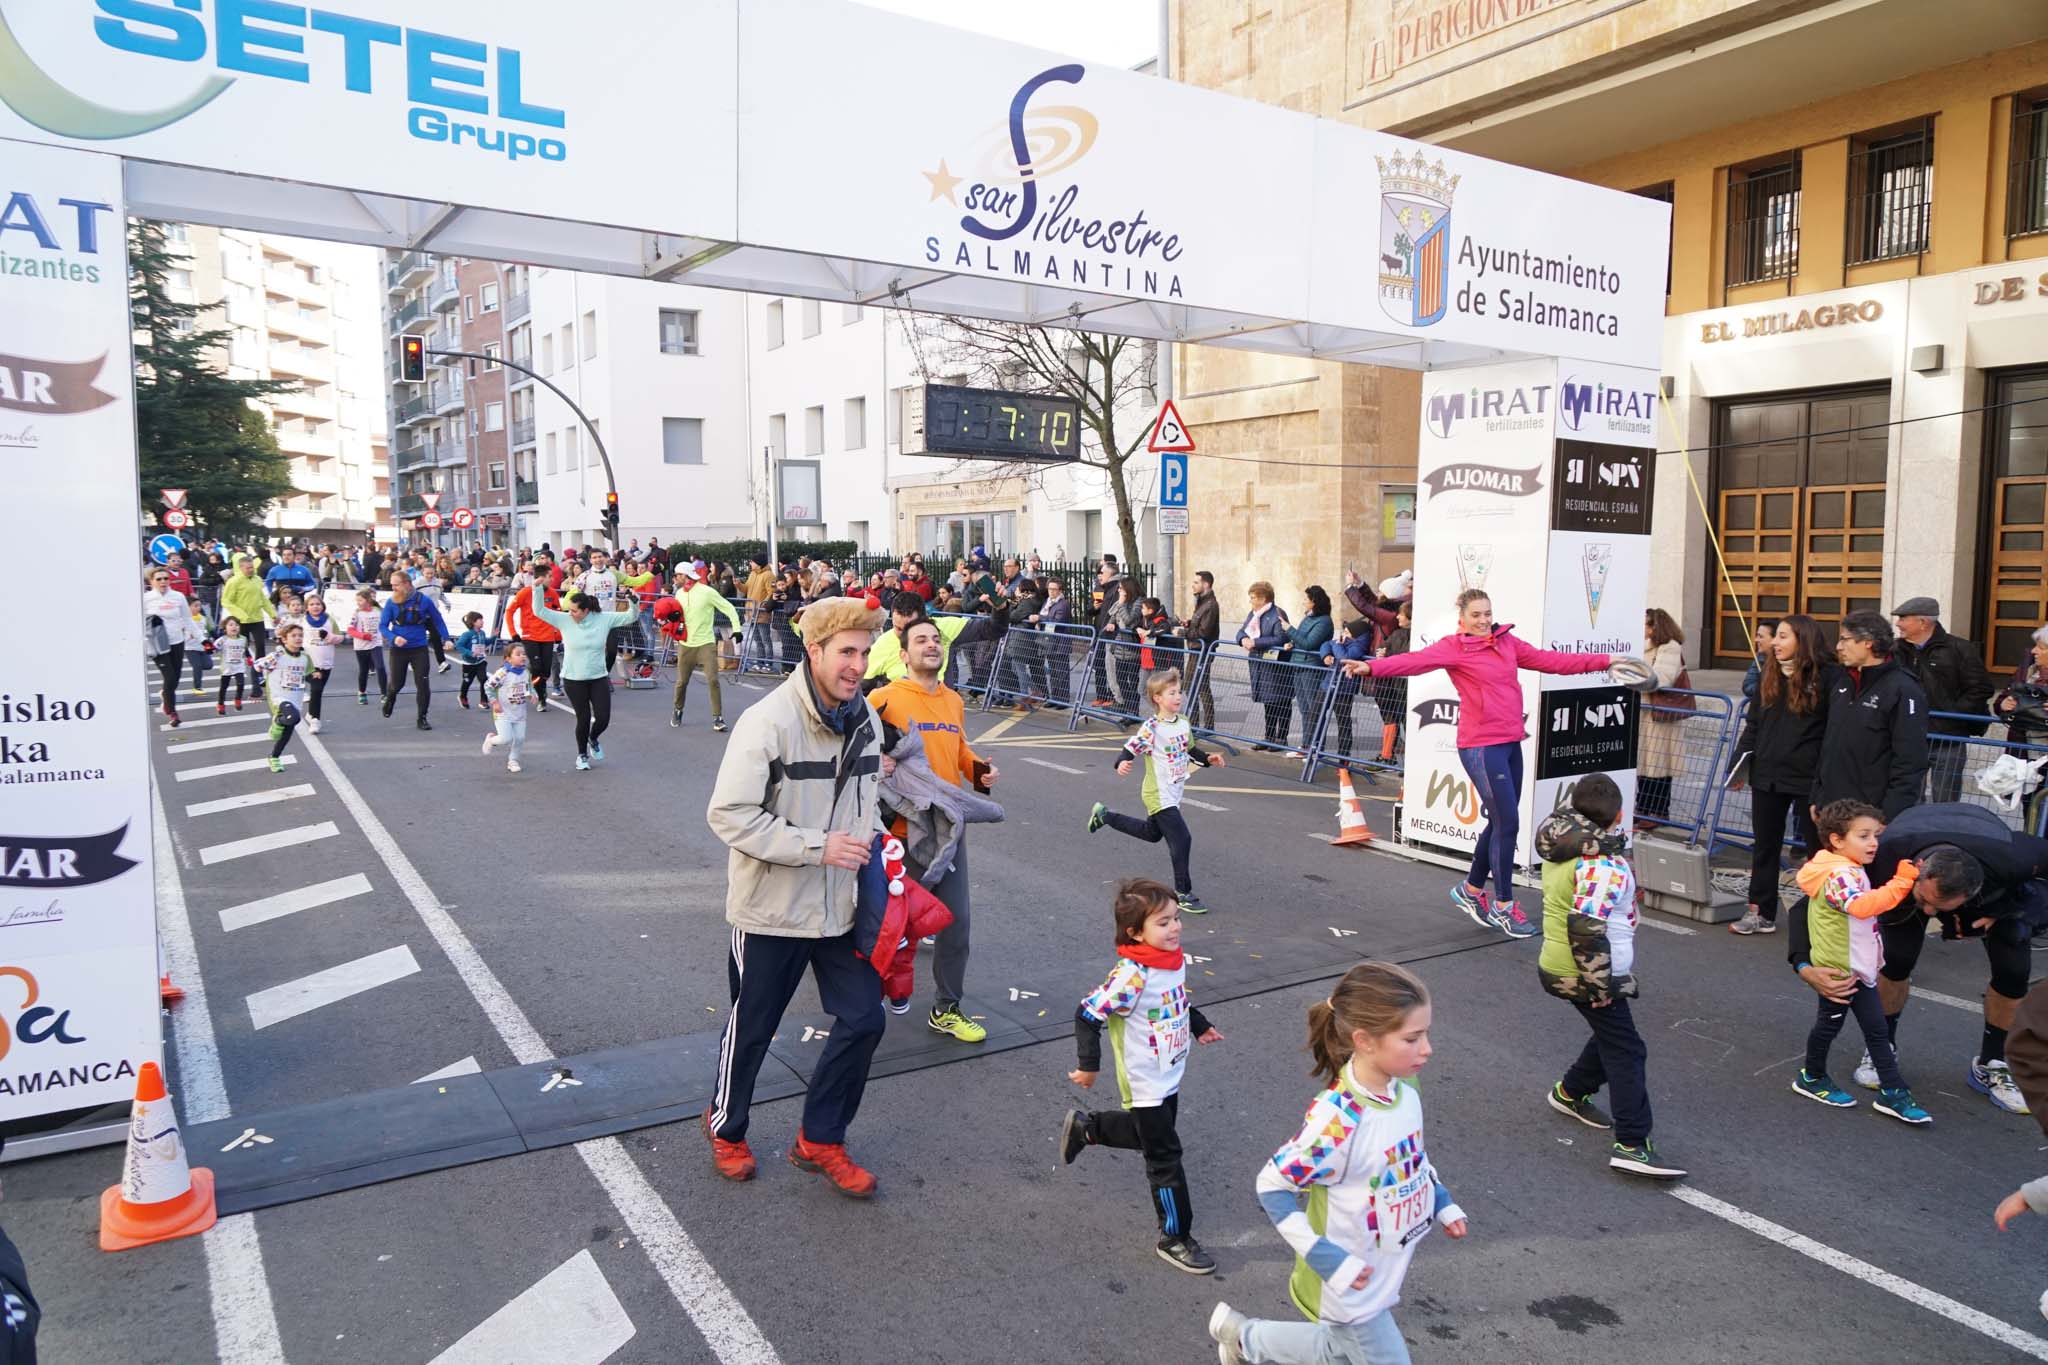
(1123, 32)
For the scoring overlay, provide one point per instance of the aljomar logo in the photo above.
(1122, 253)
(444, 75)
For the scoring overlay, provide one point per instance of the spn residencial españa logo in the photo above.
(445, 77)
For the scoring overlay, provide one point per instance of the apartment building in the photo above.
(308, 312)
(1857, 312)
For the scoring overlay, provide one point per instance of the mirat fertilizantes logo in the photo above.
(1026, 213)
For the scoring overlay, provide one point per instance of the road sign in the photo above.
(175, 497)
(1173, 480)
(464, 518)
(1169, 432)
(1173, 521)
(432, 500)
(177, 519)
(430, 521)
(164, 546)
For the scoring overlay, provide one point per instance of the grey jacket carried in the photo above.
(935, 812)
(779, 792)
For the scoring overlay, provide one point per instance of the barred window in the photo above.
(1763, 221)
(1891, 189)
(2026, 191)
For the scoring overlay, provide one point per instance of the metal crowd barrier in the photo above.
(1261, 702)
(1352, 730)
(1044, 664)
(1113, 679)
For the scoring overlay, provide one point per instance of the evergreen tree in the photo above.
(194, 426)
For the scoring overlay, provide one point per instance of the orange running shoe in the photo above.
(734, 1160)
(830, 1160)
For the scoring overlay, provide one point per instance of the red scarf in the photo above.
(1147, 956)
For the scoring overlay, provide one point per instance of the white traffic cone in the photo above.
(1351, 826)
(159, 1197)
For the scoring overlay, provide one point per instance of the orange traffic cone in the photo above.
(170, 994)
(1351, 826)
(159, 1197)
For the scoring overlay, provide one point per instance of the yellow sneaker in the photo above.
(949, 1019)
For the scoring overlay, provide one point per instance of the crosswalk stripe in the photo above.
(1187, 800)
(228, 742)
(1056, 767)
(252, 799)
(264, 843)
(323, 988)
(292, 901)
(216, 720)
(247, 765)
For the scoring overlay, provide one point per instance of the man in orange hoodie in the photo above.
(540, 637)
(919, 701)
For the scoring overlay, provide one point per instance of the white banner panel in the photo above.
(78, 987)
(1435, 243)
(615, 114)
(882, 138)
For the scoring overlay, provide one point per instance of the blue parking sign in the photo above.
(1173, 480)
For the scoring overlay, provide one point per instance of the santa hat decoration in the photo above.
(892, 865)
(874, 602)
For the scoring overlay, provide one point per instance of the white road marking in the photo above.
(247, 765)
(1954, 1002)
(1187, 800)
(1324, 838)
(1939, 1304)
(214, 720)
(292, 901)
(1679, 929)
(263, 798)
(466, 1067)
(276, 1004)
(244, 1316)
(249, 1138)
(1056, 767)
(264, 843)
(229, 742)
(724, 1322)
(571, 1317)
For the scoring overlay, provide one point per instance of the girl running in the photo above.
(1145, 1004)
(1354, 1191)
(287, 669)
(232, 650)
(472, 651)
(1167, 741)
(507, 690)
(1484, 660)
(362, 635)
(585, 675)
(321, 636)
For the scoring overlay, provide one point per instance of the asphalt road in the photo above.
(590, 904)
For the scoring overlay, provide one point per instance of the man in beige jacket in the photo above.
(796, 803)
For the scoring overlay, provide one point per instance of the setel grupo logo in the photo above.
(1016, 222)
(445, 77)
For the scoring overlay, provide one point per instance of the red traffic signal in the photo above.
(412, 360)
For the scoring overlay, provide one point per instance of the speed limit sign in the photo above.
(177, 518)
(464, 518)
(430, 520)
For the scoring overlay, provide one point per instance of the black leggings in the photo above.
(1877, 1038)
(592, 698)
(1768, 812)
(258, 635)
(370, 661)
(2007, 944)
(1165, 823)
(171, 664)
(1277, 713)
(235, 676)
(316, 684)
(415, 658)
(474, 673)
(285, 721)
(1151, 1130)
(540, 661)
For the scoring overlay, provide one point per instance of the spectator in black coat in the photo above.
(1952, 675)
(1777, 755)
(1875, 748)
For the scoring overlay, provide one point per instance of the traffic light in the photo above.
(611, 514)
(412, 359)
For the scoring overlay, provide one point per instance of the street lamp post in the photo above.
(610, 479)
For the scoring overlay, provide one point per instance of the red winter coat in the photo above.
(915, 914)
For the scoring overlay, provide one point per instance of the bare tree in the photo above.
(1110, 377)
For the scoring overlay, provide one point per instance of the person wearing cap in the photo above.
(1875, 746)
(797, 803)
(698, 648)
(1952, 675)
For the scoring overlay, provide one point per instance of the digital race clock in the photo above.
(991, 424)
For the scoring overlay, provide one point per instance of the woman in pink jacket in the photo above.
(1484, 661)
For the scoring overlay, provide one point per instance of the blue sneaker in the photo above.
(1900, 1104)
(1474, 903)
(1507, 917)
(596, 751)
(1822, 1089)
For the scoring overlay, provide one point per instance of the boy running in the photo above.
(1166, 741)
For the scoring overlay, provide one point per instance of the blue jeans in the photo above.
(1496, 773)
(1374, 1341)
